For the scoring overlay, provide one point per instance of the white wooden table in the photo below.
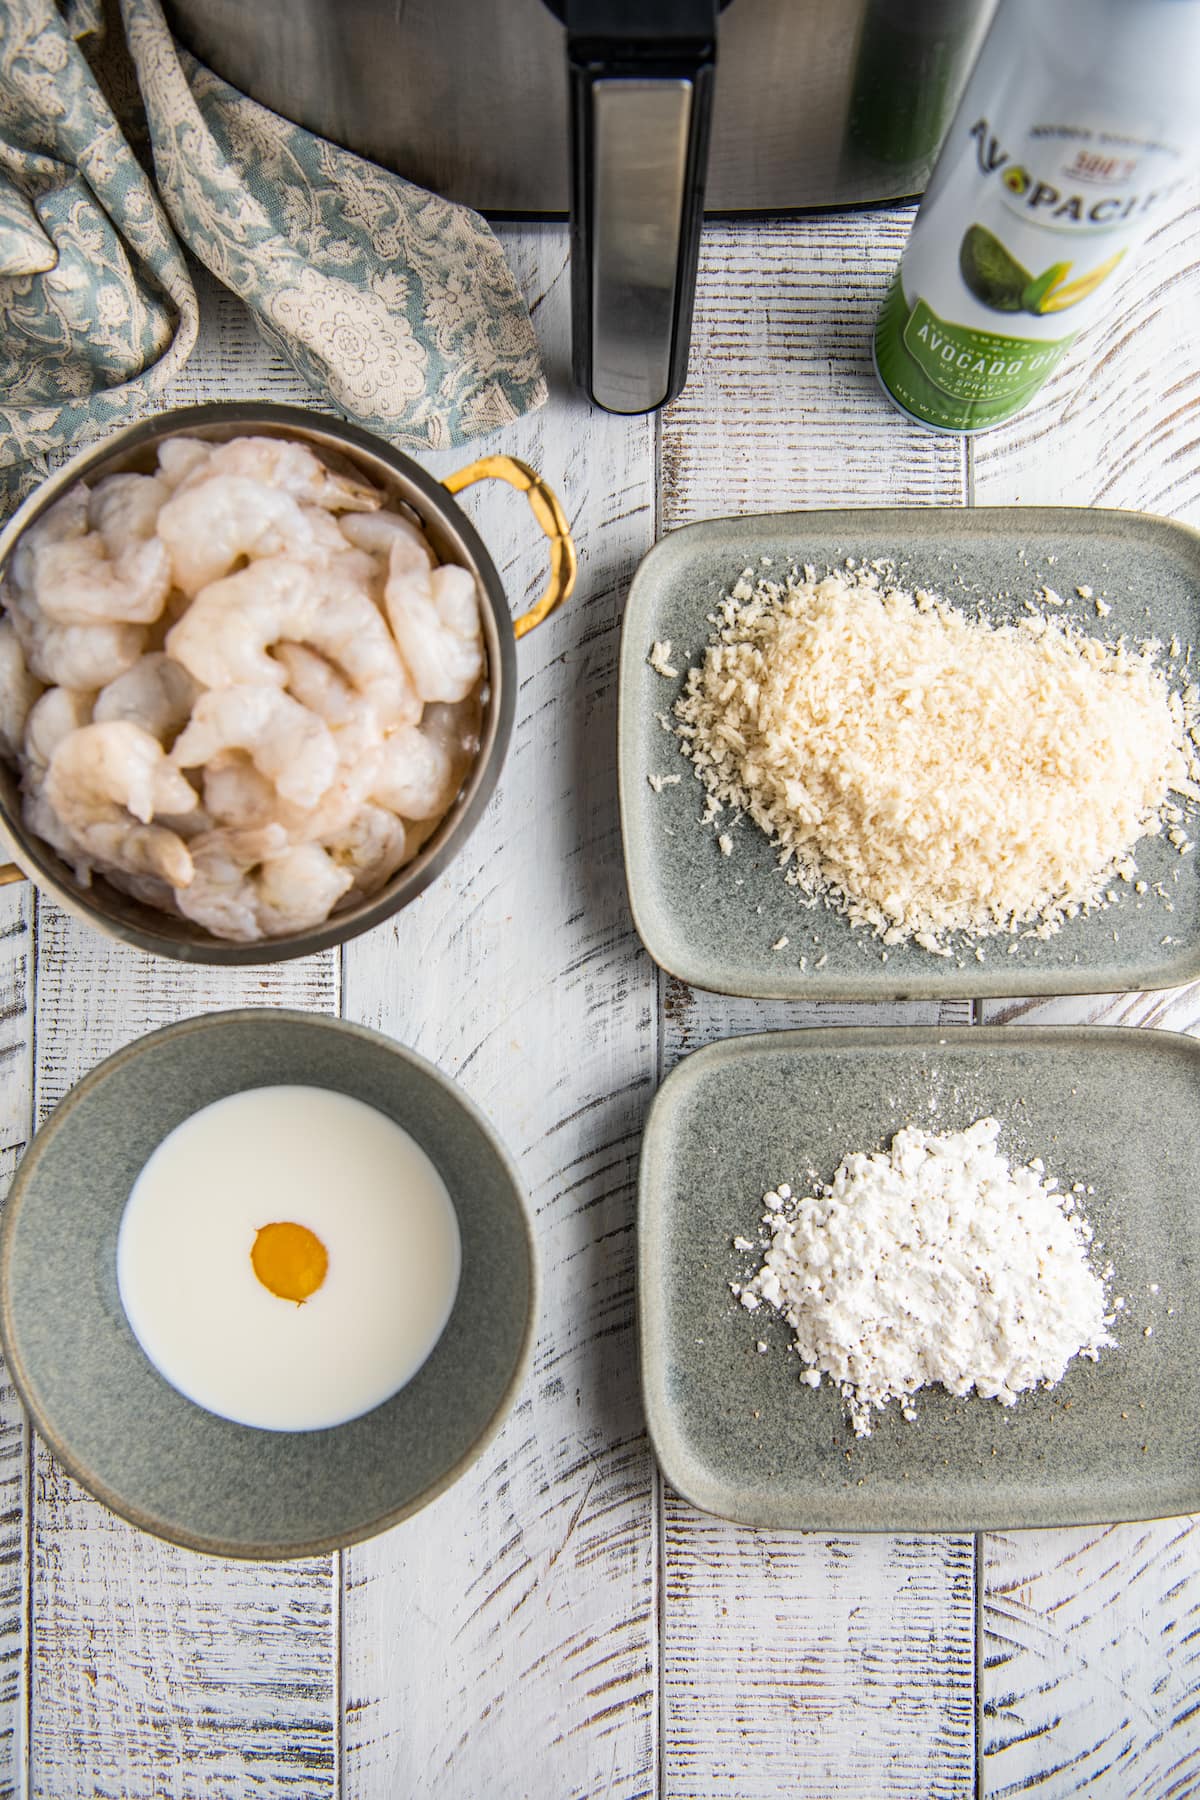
(560, 1625)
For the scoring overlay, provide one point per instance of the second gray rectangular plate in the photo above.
(739, 1434)
(713, 920)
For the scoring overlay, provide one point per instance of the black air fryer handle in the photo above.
(641, 74)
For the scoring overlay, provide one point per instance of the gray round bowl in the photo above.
(126, 1434)
(455, 540)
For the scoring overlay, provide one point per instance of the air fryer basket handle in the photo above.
(641, 74)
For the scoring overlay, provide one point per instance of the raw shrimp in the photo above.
(316, 684)
(434, 615)
(251, 884)
(349, 631)
(209, 527)
(106, 783)
(390, 535)
(18, 689)
(113, 765)
(331, 555)
(114, 575)
(285, 742)
(257, 617)
(221, 895)
(76, 582)
(222, 639)
(239, 797)
(157, 694)
(181, 458)
(64, 574)
(413, 775)
(291, 468)
(326, 534)
(299, 888)
(58, 713)
(67, 518)
(45, 823)
(77, 656)
(124, 509)
(371, 847)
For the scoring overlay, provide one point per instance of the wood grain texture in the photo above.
(1091, 1681)
(692, 1017)
(771, 1719)
(157, 1674)
(804, 1665)
(16, 1120)
(502, 1642)
(1173, 1009)
(782, 409)
(1090, 1672)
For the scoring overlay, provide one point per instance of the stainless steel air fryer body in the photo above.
(634, 116)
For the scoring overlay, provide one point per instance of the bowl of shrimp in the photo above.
(257, 677)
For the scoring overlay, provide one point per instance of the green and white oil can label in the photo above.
(1068, 147)
(957, 377)
(969, 364)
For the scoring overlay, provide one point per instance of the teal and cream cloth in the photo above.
(396, 305)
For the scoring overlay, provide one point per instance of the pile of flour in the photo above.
(934, 1261)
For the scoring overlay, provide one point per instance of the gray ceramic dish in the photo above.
(342, 446)
(130, 1438)
(712, 919)
(738, 1434)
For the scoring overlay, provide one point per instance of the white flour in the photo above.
(934, 1261)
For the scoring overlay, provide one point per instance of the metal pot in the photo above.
(453, 538)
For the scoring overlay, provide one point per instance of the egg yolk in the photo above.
(289, 1260)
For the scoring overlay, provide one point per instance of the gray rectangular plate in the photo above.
(737, 1432)
(712, 919)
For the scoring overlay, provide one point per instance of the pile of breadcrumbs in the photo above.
(928, 771)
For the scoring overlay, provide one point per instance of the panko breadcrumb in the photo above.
(926, 771)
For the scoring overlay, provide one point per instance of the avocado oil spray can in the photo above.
(1077, 131)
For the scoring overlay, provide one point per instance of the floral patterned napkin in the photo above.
(396, 305)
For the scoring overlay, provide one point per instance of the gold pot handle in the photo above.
(549, 514)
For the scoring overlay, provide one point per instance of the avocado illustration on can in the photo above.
(1074, 137)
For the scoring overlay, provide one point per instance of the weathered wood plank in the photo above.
(782, 408)
(692, 1017)
(1090, 1672)
(502, 1642)
(1090, 1675)
(800, 1633)
(16, 1116)
(798, 1664)
(1174, 1009)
